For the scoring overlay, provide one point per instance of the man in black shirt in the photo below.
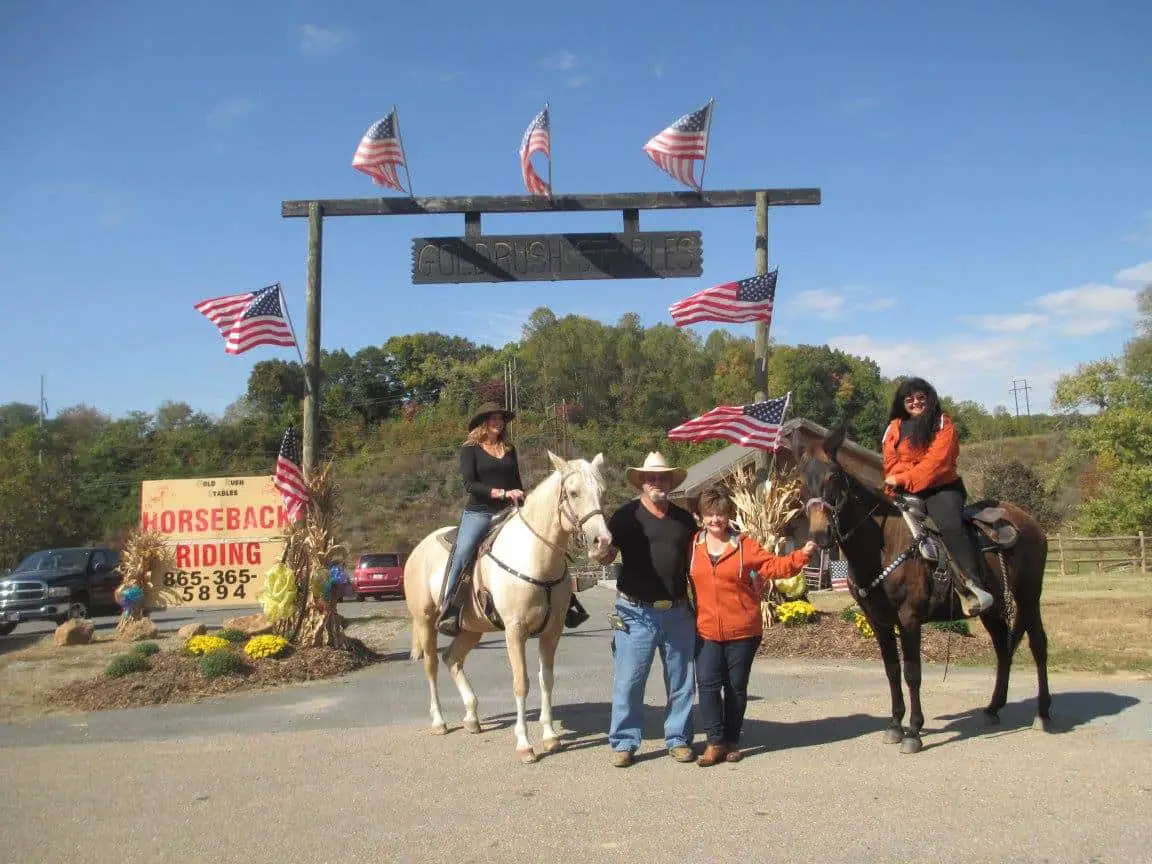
(654, 539)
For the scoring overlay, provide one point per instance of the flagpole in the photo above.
(776, 449)
(707, 140)
(295, 340)
(403, 155)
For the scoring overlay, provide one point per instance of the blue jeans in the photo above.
(672, 632)
(473, 526)
(722, 671)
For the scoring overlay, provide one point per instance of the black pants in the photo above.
(722, 670)
(945, 504)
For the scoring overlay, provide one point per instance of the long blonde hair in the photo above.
(480, 434)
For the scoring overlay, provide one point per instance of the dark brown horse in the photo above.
(896, 587)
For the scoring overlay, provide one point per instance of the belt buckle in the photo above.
(662, 604)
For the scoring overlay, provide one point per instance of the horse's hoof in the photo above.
(1042, 724)
(552, 745)
(990, 718)
(893, 735)
(472, 726)
(911, 744)
(439, 729)
(527, 756)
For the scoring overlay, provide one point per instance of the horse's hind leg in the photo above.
(886, 639)
(424, 636)
(454, 656)
(549, 640)
(1004, 643)
(1038, 642)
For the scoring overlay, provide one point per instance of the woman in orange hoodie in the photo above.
(729, 628)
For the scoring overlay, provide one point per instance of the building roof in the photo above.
(798, 429)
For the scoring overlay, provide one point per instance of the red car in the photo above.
(379, 575)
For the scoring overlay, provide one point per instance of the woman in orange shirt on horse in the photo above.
(727, 574)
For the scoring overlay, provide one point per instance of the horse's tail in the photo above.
(417, 652)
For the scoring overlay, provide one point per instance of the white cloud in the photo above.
(1010, 323)
(561, 61)
(658, 69)
(860, 103)
(578, 81)
(1088, 299)
(824, 304)
(316, 40)
(829, 303)
(1139, 273)
(230, 111)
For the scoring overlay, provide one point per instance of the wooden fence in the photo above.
(1076, 554)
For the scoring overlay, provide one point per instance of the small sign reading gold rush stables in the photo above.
(556, 257)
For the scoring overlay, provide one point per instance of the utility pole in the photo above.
(41, 410)
(1020, 385)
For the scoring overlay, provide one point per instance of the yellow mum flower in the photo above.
(205, 644)
(259, 647)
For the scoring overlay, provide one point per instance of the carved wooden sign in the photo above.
(556, 257)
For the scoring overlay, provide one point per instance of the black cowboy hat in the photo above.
(489, 408)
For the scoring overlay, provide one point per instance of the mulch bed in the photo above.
(831, 638)
(174, 677)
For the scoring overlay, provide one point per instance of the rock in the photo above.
(135, 629)
(253, 625)
(189, 630)
(75, 631)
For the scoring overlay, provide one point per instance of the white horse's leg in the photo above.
(425, 630)
(514, 638)
(454, 656)
(549, 640)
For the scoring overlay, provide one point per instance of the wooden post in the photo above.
(1143, 556)
(1060, 552)
(312, 339)
(760, 371)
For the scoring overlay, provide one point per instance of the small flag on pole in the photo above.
(380, 151)
(250, 319)
(734, 302)
(756, 425)
(288, 478)
(537, 139)
(676, 149)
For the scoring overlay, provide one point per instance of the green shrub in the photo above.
(960, 627)
(848, 613)
(146, 648)
(126, 664)
(234, 636)
(222, 662)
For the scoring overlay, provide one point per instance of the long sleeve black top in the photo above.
(482, 473)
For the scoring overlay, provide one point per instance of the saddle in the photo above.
(985, 520)
(988, 518)
(478, 601)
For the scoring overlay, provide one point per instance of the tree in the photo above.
(274, 383)
(15, 416)
(1016, 482)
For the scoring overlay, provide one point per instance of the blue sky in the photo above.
(976, 160)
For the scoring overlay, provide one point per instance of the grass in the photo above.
(1098, 622)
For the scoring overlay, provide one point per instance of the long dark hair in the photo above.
(919, 430)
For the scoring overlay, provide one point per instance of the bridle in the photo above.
(566, 510)
(832, 513)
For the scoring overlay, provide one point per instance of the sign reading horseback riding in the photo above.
(555, 257)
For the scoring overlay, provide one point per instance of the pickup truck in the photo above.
(58, 584)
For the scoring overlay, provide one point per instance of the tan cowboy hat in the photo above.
(655, 463)
(484, 410)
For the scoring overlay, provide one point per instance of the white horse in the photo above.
(524, 574)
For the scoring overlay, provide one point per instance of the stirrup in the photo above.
(974, 600)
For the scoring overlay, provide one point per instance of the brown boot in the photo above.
(713, 754)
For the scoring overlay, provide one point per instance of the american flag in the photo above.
(289, 479)
(537, 139)
(248, 320)
(676, 149)
(379, 153)
(737, 302)
(755, 425)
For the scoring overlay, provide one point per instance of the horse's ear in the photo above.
(835, 439)
(598, 461)
(556, 461)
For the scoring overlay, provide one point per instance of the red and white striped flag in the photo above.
(749, 299)
(677, 149)
(250, 319)
(755, 425)
(537, 139)
(288, 478)
(380, 152)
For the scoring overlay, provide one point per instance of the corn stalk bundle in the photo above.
(144, 554)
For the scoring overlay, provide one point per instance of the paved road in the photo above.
(344, 771)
